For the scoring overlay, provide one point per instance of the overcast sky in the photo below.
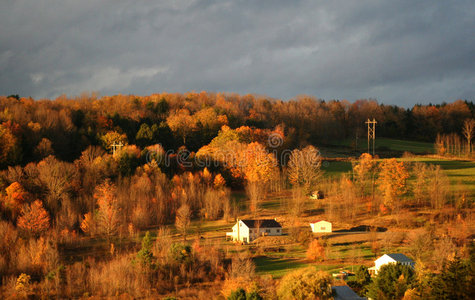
(399, 52)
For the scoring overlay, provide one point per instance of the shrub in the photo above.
(145, 256)
(181, 253)
(305, 284)
(23, 283)
(240, 294)
(316, 251)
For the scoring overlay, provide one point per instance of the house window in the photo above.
(322, 228)
(267, 230)
(278, 230)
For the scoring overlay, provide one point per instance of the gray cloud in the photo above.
(400, 52)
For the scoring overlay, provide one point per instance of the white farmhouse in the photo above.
(321, 226)
(248, 230)
(391, 258)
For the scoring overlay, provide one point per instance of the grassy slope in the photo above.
(461, 174)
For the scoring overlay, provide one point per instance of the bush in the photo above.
(316, 251)
(306, 283)
(181, 253)
(240, 294)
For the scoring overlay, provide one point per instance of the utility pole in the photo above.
(371, 133)
(116, 146)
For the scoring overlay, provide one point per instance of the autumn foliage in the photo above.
(392, 181)
(315, 251)
(34, 218)
(108, 216)
(15, 197)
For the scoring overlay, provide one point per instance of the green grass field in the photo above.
(461, 173)
(409, 146)
(383, 144)
(336, 168)
(277, 267)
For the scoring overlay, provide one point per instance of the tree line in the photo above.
(33, 129)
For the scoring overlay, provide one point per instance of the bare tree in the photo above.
(468, 131)
(438, 187)
(304, 168)
(183, 218)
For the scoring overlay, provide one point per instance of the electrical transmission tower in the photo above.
(116, 147)
(371, 132)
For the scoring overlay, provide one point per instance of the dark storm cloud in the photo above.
(399, 52)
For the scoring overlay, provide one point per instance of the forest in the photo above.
(131, 195)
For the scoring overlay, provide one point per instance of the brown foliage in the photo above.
(183, 219)
(37, 256)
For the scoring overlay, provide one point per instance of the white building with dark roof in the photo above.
(392, 258)
(248, 230)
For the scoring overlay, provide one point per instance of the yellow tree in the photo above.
(364, 177)
(108, 219)
(392, 181)
(260, 167)
(113, 137)
(181, 123)
(10, 145)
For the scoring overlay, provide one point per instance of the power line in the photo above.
(371, 133)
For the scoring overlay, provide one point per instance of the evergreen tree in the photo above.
(391, 282)
(455, 282)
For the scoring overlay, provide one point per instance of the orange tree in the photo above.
(34, 218)
(392, 181)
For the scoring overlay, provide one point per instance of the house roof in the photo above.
(316, 221)
(266, 223)
(344, 292)
(399, 257)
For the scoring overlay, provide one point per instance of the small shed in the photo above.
(316, 195)
(321, 226)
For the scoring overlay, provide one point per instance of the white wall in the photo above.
(322, 226)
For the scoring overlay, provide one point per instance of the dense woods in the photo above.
(33, 129)
(109, 169)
